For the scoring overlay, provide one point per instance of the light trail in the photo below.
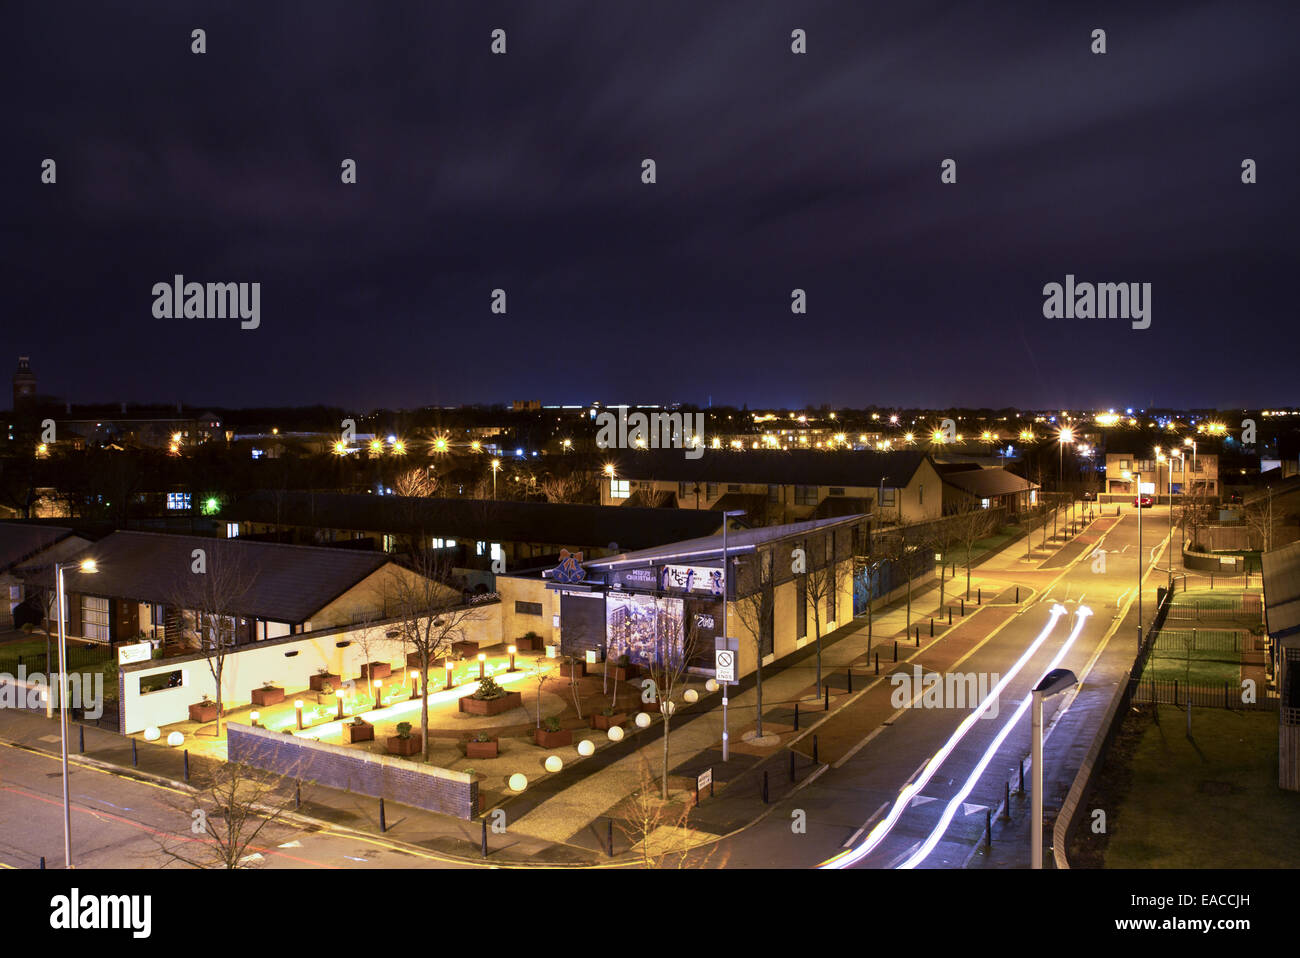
(883, 828)
(1081, 614)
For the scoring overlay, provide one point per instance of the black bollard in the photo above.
(979, 596)
(485, 837)
(950, 615)
(1017, 595)
(815, 749)
(849, 677)
(42, 863)
(796, 716)
(609, 835)
(187, 764)
(81, 738)
(383, 822)
(988, 830)
(877, 663)
(962, 600)
(1021, 790)
(297, 794)
(932, 627)
(135, 755)
(1006, 803)
(827, 706)
(918, 636)
(895, 651)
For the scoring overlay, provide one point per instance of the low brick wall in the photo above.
(379, 776)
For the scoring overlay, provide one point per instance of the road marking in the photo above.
(865, 825)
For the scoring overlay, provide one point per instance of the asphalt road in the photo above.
(858, 807)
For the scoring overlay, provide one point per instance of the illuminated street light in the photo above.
(376, 446)
(476, 446)
(496, 466)
(399, 447)
(1053, 683)
(88, 567)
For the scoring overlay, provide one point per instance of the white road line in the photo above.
(865, 825)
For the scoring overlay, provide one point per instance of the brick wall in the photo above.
(354, 770)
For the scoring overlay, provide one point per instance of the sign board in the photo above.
(1228, 562)
(724, 665)
(705, 779)
(135, 652)
(691, 579)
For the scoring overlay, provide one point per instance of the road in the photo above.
(913, 792)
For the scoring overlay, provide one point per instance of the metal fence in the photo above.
(1205, 640)
(1205, 607)
(79, 657)
(1173, 692)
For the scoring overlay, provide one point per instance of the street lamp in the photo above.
(496, 465)
(1053, 683)
(1064, 436)
(89, 568)
(726, 596)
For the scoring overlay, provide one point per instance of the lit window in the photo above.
(178, 500)
(232, 530)
(619, 489)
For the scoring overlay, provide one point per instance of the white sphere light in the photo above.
(642, 719)
(553, 763)
(711, 685)
(691, 696)
(586, 747)
(151, 734)
(615, 733)
(175, 739)
(518, 782)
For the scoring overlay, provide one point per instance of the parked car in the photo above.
(1145, 502)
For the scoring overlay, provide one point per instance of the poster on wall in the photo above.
(645, 628)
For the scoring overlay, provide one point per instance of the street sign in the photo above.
(724, 664)
(705, 779)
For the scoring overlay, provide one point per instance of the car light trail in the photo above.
(1081, 614)
(885, 825)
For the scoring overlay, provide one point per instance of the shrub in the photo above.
(268, 685)
(530, 634)
(607, 712)
(481, 737)
(327, 688)
(488, 689)
(322, 671)
(552, 724)
(621, 661)
(358, 720)
(403, 729)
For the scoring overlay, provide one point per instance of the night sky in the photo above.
(775, 171)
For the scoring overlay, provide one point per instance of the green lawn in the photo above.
(1207, 668)
(1212, 802)
(81, 657)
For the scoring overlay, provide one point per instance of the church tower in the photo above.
(24, 383)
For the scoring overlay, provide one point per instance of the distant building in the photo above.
(526, 405)
(24, 383)
(1178, 475)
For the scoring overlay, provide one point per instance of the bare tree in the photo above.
(755, 604)
(208, 599)
(416, 482)
(673, 645)
(540, 674)
(971, 523)
(571, 487)
(431, 615)
(822, 581)
(232, 807)
(943, 536)
(659, 831)
(1262, 520)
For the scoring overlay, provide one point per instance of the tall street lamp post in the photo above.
(87, 566)
(1053, 683)
(726, 639)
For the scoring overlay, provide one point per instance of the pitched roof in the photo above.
(284, 583)
(561, 524)
(811, 467)
(1282, 590)
(987, 483)
(19, 542)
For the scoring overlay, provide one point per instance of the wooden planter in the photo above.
(625, 673)
(467, 650)
(482, 749)
(527, 645)
(203, 712)
(607, 722)
(579, 667)
(473, 706)
(376, 670)
(265, 697)
(413, 661)
(318, 680)
(403, 746)
(358, 733)
(553, 739)
(650, 706)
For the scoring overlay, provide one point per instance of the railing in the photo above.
(1227, 696)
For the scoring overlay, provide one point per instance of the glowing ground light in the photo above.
(878, 834)
(1081, 616)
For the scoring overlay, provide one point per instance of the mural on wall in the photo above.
(645, 628)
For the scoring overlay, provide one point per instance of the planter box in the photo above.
(607, 722)
(473, 706)
(404, 746)
(650, 706)
(318, 680)
(358, 733)
(413, 661)
(625, 673)
(482, 749)
(468, 650)
(376, 670)
(526, 645)
(265, 697)
(203, 712)
(552, 651)
(553, 739)
(579, 667)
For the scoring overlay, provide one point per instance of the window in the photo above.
(984, 503)
(480, 547)
(1125, 464)
(390, 543)
(165, 680)
(178, 500)
(683, 490)
(232, 530)
(711, 490)
(618, 489)
(773, 493)
(94, 618)
(496, 553)
(887, 497)
(528, 608)
(805, 495)
(836, 492)
(436, 542)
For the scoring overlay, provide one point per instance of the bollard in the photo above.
(1006, 802)
(1021, 790)
(792, 765)
(81, 738)
(827, 706)
(962, 600)
(609, 835)
(950, 615)
(1017, 595)
(979, 596)
(815, 762)
(42, 863)
(485, 832)
(187, 764)
(796, 716)
(877, 663)
(297, 794)
(895, 651)
(932, 627)
(765, 788)
(918, 636)
(383, 822)
(849, 676)
(988, 830)
(135, 755)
